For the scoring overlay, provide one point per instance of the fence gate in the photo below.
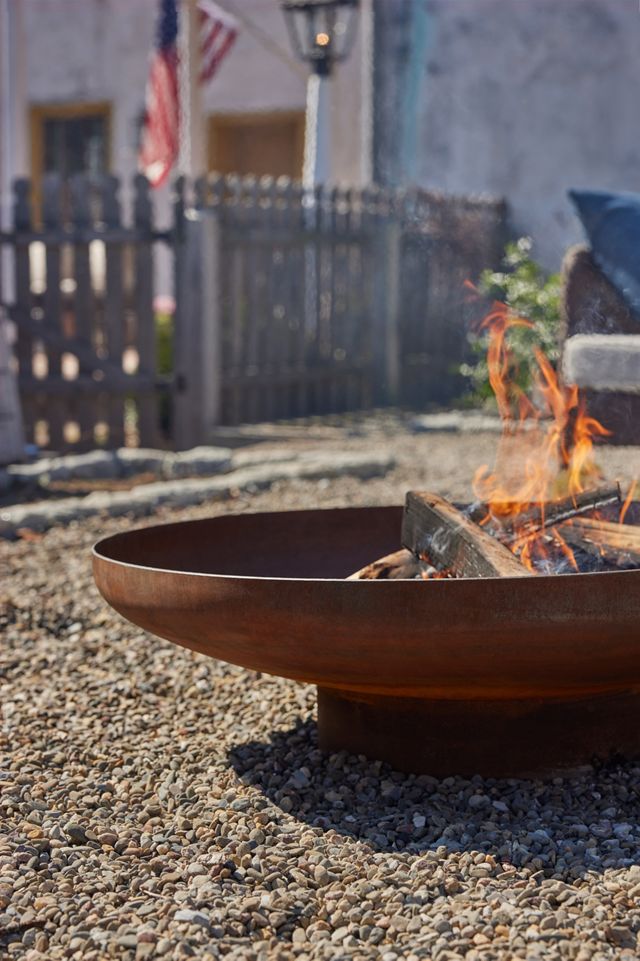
(288, 304)
(83, 310)
(279, 298)
(293, 304)
(291, 301)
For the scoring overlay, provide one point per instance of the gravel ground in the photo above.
(158, 804)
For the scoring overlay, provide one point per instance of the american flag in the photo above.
(160, 138)
(218, 31)
(159, 144)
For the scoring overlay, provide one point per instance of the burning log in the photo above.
(402, 565)
(615, 543)
(539, 517)
(433, 526)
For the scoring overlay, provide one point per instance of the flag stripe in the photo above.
(208, 69)
(218, 32)
(159, 144)
(209, 37)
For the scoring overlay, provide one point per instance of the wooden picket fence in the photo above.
(82, 305)
(288, 304)
(304, 304)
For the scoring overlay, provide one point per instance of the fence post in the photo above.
(197, 401)
(386, 317)
(114, 318)
(82, 217)
(52, 303)
(146, 324)
(11, 434)
(21, 313)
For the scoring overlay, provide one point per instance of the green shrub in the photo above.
(164, 362)
(523, 286)
(164, 342)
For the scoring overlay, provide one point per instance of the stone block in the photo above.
(198, 462)
(603, 362)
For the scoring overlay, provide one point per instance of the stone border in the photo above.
(145, 498)
(125, 462)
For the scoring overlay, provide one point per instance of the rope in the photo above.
(265, 39)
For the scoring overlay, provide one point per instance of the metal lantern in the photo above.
(321, 31)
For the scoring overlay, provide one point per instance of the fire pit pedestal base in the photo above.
(498, 738)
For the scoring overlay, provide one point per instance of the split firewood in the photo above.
(616, 543)
(402, 565)
(535, 519)
(433, 527)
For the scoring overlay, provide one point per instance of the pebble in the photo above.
(76, 834)
(157, 803)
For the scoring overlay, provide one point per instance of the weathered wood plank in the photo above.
(237, 314)
(114, 306)
(386, 304)
(84, 317)
(277, 344)
(434, 527)
(295, 259)
(124, 383)
(84, 303)
(145, 320)
(85, 354)
(402, 565)
(22, 219)
(52, 303)
(199, 359)
(11, 433)
(614, 542)
(541, 516)
(254, 304)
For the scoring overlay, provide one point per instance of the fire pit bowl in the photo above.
(500, 677)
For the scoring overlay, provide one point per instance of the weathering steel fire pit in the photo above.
(498, 676)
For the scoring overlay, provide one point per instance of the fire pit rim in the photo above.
(106, 541)
(319, 630)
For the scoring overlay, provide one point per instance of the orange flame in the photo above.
(544, 453)
(628, 501)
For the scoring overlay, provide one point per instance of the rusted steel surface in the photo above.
(497, 738)
(265, 591)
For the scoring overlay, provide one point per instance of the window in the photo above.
(268, 143)
(75, 145)
(68, 139)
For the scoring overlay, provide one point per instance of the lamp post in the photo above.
(322, 34)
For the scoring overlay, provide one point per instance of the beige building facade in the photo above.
(516, 98)
(84, 66)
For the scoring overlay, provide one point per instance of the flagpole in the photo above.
(192, 162)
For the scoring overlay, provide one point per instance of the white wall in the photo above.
(92, 50)
(99, 50)
(13, 93)
(349, 95)
(526, 98)
(253, 77)
(522, 98)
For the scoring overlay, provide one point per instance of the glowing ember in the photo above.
(545, 451)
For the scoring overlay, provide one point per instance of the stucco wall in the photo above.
(522, 98)
(526, 98)
(91, 50)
